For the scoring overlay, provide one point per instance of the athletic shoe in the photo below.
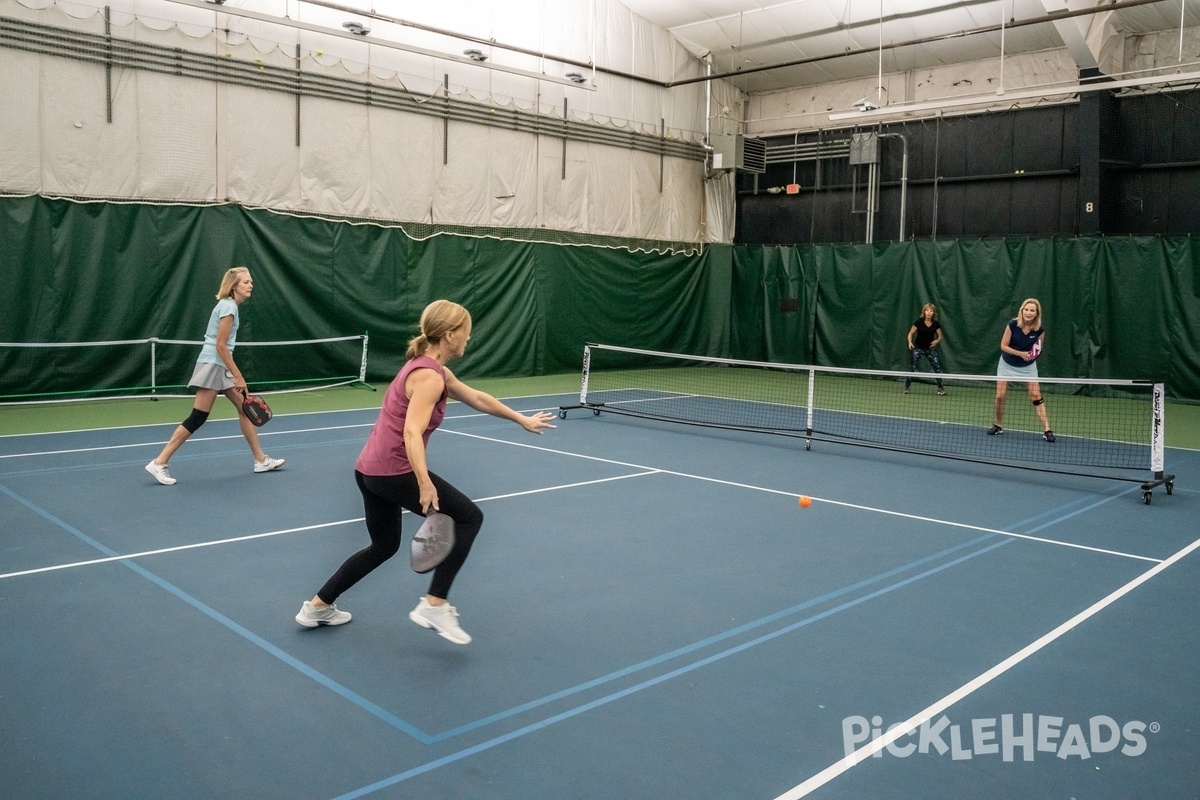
(1048, 436)
(268, 464)
(160, 473)
(942, 392)
(443, 619)
(310, 616)
(995, 429)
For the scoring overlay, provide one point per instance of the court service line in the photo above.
(967, 526)
(159, 442)
(161, 424)
(913, 723)
(933, 520)
(265, 535)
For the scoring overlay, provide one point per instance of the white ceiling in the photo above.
(745, 34)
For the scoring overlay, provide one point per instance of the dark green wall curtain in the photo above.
(85, 272)
(1125, 308)
(75, 272)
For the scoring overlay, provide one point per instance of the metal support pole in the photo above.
(299, 92)
(903, 178)
(108, 66)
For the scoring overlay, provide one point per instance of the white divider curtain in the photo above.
(189, 140)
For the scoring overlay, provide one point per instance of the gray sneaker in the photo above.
(443, 619)
(310, 616)
(160, 473)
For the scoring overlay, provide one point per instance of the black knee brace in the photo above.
(195, 420)
(1039, 401)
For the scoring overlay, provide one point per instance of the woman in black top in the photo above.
(923, 338)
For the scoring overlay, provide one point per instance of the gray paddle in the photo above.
(432, 542)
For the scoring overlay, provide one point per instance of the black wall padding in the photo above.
(1015, 173)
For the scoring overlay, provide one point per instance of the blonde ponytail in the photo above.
(417, 346)
(439, 318)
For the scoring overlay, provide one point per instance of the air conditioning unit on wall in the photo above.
(735, 151)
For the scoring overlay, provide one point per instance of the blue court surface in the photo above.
(654, 616)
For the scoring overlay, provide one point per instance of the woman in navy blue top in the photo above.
(1017, 361)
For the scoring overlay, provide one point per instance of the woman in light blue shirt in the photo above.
(216, 373)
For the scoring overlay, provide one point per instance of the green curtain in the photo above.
(78, 272)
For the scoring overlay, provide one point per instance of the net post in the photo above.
(583, 384)
(153, 366)
(362, 364)
(808, 402)
(1157, 429)
(1158, 424)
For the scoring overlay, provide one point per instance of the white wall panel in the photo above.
(181, 139)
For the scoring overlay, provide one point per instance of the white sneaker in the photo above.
(310, 616)
(160, 473)
(443, 619)
(268, 464)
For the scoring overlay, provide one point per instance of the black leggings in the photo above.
(383, 498)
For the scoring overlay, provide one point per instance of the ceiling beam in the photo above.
(1073, 36)
(1051, 17)
(1176, 79)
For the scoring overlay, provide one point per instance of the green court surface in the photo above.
(16, 419)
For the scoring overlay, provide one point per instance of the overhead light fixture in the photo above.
(1180, 79)
(357, 28)
(865, 105)
(323, 30)
(475, 55)
(216, 2)
(575, 77)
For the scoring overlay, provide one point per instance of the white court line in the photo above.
(646, 470)
(248, 537)
(159, 442)
(913, 723)
(374, 409)
(160, 424)
(872, 509)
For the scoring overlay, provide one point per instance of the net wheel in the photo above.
(562, 413)
(1146, 495)
(595, 412)
(1170, 487)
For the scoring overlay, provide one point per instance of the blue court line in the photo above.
(1086, 503)
(703, 643)
(406, 727)
(425, 738)
(573, 712)
(291, 661)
